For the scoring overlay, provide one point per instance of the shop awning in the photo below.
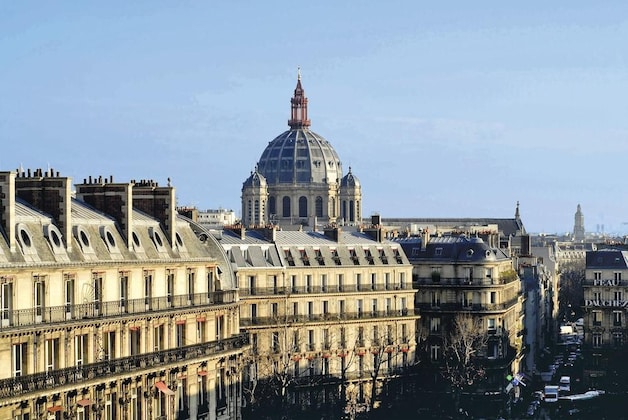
(164, 388)
(84, 402)
(202, 373)
(55, 408)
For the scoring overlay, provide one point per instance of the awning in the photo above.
(164, 388)
(201, 373)
(84, 402)
(180, 322)
(201, 318)
(134, 328)
(55, 408)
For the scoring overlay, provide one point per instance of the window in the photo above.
(493, 297)
(109, 345)
(6, 303)
(374, 307)
(310, 340)
(295, 308)
(124, 290)
(148, 289)
(340, 282)
(275, 342)
(359, 306)
(200, 331)
(435, 324)
(80, 349)
(302, 206)
(597, 275)
(52, 354)
(158, 338)
(619, 296)
(618, 339)
(617, 275)
(617, 318)
(597, 318)
(435, 298)
(434, 352)
(597, 295)
(97, 286)
(69, 294)
(286, 207)
(274, 310)
(191, 274)
(491, 324)
(597, 340)
(38, 297)
(488, 273)
(467, 299)
(134, 341)
(169, 286)
(18, 354)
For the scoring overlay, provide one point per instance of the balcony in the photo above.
(457, 282)
(345, 316)
(77, 375)
(63, 314)
(475, 307)
(345, 288)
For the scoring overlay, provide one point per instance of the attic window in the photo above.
(83, 237)
(136, 240)
(54, 236)
(178, 238)
(110, 239)
(469, 253)
(25, 238)
(157, 238)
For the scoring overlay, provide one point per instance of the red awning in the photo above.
(201, 318)
(180, 322)
(55, 408)
(201, 373)
(134, 328)
(84, 402)
(164, 388)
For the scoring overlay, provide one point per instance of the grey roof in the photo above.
(507, 227)
(451, 249)
(607, 258)
(300, 156)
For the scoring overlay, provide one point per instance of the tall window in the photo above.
(68, 294)
(97, 286)
(272, 206)
(158, 338)
(169, 286)
(80, 349)
(286, 207)
(597, 318)
(148, 289)
(191, 279)
(302, 206)
(109, 345)
(180, 334)
(51, 350)
(435, 324)
(319, 206)
(6, 303)
(597, 340)
(18, 354)
(38, 297)
(617, 318)
(435, 352)
(435, 298)
(134, 341)
(124, 290)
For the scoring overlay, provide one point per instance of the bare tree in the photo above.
(466, 340)
(571, 292)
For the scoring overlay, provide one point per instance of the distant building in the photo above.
(299, 180)
(209, 219)
(578, 227)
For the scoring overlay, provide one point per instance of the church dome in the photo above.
(299, 155)
(350, 181)
(255, 180)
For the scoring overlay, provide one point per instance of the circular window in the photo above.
(110, 238)
(26, 238)
(469, 252)
(55, 238)
(136, 239)
(179, 240)
(158, 238)
(84, 238)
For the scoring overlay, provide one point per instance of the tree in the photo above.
(461, 348)
(571, 292)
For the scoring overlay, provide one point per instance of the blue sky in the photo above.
(450, 109)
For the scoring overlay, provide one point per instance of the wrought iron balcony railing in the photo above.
(36, 383)
(57, 314)
(345, 316)
(350, 288)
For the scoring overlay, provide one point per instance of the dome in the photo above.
(255, 180)
(350, 181)
(300, 156)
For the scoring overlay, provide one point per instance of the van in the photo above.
(550, 395)
(565, 384)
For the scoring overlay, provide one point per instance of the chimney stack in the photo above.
(7, 206)
(158, 202)
(49, 193)
(115, 200)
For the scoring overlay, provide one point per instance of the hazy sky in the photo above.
(442, 109)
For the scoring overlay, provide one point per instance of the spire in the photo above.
(517, 215)
(298, 118)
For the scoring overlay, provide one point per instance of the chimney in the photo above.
(49, 193)
(158, 202)
(113, 199)
(7, 207)
(333, 233)
(425, 237)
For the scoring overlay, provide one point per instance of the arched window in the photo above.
(272, 207)
(286, 207)
(302, 206)
(351, 211)
(319, 206)
(344, 210)
(257, 218)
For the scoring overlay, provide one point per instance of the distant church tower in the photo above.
(299, 178)
(578, 227)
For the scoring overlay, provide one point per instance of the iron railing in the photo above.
(36, 383)
(269, 291)
(345, 316)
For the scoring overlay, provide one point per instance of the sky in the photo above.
(441, 109)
